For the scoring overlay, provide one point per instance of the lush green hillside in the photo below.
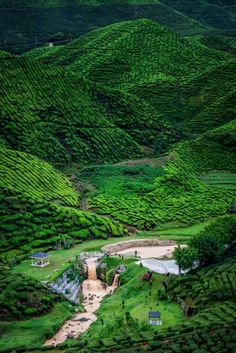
(22, 297)
(72, 18)
(32, 215)
(130, 126)
(211, 13)
(57, 118)
(197, 104)
(29, 223)
(64, 20)
(178, 196)
(65, 117)
(154, 53)
(27, 174)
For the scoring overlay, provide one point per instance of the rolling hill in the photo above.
(32, 208)
(56, 117)
(154, 53)
(82, 112)
(80, 103)
(27, 174)
(199, 103)
(128, 127)
(180, 78)
(74, 18)
(176, 196)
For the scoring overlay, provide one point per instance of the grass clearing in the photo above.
(138, 299)
(60, 259)
(179, 234)
(114, 180)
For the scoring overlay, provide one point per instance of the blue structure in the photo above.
(40, 259)
(154, 318)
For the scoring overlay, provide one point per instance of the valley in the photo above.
(117, 176)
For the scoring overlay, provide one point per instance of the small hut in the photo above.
(40, 259)
(154, 318)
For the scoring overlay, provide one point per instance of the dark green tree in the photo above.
(185, 257)
(209, 249)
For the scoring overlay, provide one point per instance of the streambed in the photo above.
(93, 291)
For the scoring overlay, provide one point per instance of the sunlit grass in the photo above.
(139, 298)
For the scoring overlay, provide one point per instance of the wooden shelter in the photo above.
(40, 259)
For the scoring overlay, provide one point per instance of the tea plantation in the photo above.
(27, 174)
(63, 20)
(162, 55)
(50, 128)
(176, 197)
(210, 327)
(29, 223)
(124, 126)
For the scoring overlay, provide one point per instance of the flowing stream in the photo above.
(93, 291)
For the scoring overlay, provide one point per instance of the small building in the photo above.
(40, 259)
(50, 44)
(154, 318)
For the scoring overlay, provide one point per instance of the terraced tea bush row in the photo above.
(27, 174)
(203, 288)
(219, 313)
(177, 197)
(29, 223)
(22, 297)
(114, 55)
(220, 179)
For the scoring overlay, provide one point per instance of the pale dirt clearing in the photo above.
(146, 252)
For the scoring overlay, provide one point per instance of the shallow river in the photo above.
(93, 291)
